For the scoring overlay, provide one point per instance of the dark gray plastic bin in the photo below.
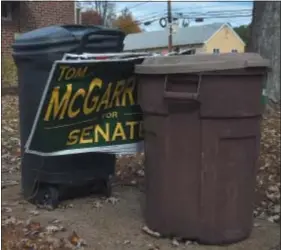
(34, 53)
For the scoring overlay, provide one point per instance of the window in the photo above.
(234, 51)
(6, 11)
(216, 51)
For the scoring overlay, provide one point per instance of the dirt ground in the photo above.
(116, 223)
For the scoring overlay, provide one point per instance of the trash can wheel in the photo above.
(107, 188)
(47, 195)
(102, 187)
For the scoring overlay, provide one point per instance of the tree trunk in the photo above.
(265, 40)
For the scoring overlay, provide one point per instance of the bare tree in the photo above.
(105, 9)
(265, 40)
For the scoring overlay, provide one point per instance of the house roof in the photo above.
(158, 39)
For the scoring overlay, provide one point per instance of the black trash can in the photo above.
(44, 178)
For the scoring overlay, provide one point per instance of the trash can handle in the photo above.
(85, 38)
(84, 41)
(183, 96)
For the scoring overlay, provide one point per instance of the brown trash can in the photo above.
(202, 132)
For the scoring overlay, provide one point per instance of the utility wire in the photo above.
(220, 11)
(149, 17)
(151, 20)
(158, 13)
(227, 14)
(211, 17)
(236, 16)
(190, 15)
(136, 5)
(176, 13)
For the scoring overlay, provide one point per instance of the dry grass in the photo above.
(9, 72)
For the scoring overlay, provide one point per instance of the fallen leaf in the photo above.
(112, 200)
(76, 240)
(6, 210)
(97, 204)
(150, 232)
(34, 212)
(54, 228)
(127, 242)
(34, 226)
(153, 247)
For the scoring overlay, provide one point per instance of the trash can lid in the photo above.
(52, 35)
(200, 63)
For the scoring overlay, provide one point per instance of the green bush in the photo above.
(9, 72)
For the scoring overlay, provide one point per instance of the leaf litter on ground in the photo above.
(10, 151)
(268, 176)
(130, 171)
(18, 234)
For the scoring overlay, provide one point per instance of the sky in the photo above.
(234, 12)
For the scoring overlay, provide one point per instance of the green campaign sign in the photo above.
(88, 106)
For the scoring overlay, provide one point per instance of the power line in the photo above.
(149, 17)
(136, 5)
(178, 12)
(216, 16)
(141, 22)
(158, 13)
(157, 19)
(208, 14)
(236, 16)
(229, 12)
(148, 14)
(220, 11)
(226, 14)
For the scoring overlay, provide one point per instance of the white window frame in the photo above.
(9, 11)
(216, 51)
(234, 51)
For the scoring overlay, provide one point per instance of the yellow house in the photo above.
(210, 38)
